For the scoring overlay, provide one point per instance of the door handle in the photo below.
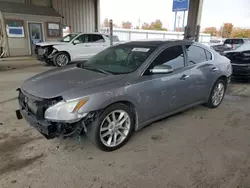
(87, 45)
(214, 69)
(184, 77)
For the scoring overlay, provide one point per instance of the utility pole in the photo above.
(179, 18)
(222, 28)
(111, 32)
(139, 22)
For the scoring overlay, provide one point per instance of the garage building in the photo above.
(23, 23)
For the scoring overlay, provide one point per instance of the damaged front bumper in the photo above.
(44, 54)
(33, 113)
(47, 129)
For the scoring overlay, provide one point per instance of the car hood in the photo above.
(62, 81)
(51, 43)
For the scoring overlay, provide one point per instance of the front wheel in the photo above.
(113, 128)
(61, 59)
(217, 94)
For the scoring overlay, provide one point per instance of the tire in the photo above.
(61, 59)
(94, 130)
(48, 62)
(211, 103)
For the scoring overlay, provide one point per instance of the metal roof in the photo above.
(21, 8)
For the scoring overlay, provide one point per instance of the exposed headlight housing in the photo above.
(53, 52)
(69, 112)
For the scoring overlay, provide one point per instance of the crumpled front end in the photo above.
(33, 109)
(43, 53)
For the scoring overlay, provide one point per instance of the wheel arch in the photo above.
(68, 54)
(131, 106)
(224, 78)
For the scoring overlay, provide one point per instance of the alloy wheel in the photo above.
(62, 60)
(218, 94)
(115, 128)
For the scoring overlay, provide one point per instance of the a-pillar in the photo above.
(192, 29)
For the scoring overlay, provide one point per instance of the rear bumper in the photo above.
(241, 71)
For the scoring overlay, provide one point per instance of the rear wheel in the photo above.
(113, 128)
(61, 59)
(217, 94)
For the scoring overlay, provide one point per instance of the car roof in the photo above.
(156, 43)
(97, 33)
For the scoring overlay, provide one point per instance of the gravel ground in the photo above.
(199, 148)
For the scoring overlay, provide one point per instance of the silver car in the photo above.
(122, 89)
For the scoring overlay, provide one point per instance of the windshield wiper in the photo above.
(96, 69)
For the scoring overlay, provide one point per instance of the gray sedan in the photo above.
(122, 89)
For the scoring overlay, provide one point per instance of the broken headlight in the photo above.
(66, 111)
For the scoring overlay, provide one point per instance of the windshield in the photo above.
(120, 59)
(244, 47)
(115, 38)
(68, 38)
(233, 41)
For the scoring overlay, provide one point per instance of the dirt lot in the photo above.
(199, 148)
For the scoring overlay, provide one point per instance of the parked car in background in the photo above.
(216, 41)
(122, 89)
(230, 44)
(73, 47)
(44, 48)
(240, 60)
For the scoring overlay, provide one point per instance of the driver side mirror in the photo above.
(76, 42)
(162, 69)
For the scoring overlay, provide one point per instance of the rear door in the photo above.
(202, 71)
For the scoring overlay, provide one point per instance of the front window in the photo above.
(120, 59)
(68, 38)
(115, 38)
(172, 56)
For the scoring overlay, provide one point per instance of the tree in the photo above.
(127, 25)
(146, 26)
(106, 22)
(211, 30)
(226, 30)
(240, 33)
(115, 25)
(156, 25)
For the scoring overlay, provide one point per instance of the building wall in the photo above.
(41, 2)
(21, 46)
(14, 1)
(78, 14)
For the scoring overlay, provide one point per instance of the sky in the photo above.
(215, 12)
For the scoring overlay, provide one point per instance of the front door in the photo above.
(165, 93)
(35, 35)
(89, 45)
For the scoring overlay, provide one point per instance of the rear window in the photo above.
(115, 38)
(234, 41)
(215, 41)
